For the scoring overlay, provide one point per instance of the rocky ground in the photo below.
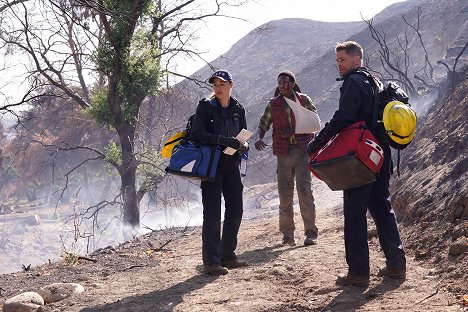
(162, 271)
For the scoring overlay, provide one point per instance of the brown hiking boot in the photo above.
(355, 280)
(392, 273)
(215, 269)
(288, 240)
(311, 239)
(235, 263)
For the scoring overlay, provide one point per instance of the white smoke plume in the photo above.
(424, 103)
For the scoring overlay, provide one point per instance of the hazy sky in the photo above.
(222, 33)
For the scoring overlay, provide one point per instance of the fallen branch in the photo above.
(148, 228)
(162, 246)
(150, 251)
(87, 259)
(133, 267)
(188, 233)
(26, 268)
(432, 295)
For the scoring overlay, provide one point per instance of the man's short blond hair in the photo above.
(350, 47)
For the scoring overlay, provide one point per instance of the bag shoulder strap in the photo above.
(238, 108)
(175, 140)
(212, 102)
(212, 106)
(376, 87)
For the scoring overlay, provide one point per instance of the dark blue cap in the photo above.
(224, 75)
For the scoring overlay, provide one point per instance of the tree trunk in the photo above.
(131, 209)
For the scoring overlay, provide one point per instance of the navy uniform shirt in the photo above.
(356, 102)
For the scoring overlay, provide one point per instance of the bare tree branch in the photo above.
(428, 69)
(455, 65)
(11, 4)
(385, 55)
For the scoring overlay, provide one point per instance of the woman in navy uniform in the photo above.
(217, 121)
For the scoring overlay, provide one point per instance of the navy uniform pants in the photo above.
(217, 248)
(376, 198)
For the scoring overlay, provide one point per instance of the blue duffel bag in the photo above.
(194, 160)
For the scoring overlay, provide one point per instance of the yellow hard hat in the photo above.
(399, 120)
(166, 151)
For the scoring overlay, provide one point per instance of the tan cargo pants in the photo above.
(294, 165)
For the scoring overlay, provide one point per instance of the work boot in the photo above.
(355, 280)
(215, 269)
(392, 273)
(311, 238)
(234, 263)
(288, 240)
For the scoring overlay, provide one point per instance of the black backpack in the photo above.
(385, 94)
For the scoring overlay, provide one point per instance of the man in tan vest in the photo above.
(290, 148)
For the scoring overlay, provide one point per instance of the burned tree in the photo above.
(395, 57)
(107, 57)
(452, 72)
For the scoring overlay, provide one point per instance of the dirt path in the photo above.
(279, 279)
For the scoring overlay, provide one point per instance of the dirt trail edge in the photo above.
(139, 276)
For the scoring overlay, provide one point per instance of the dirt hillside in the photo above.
(131, 277)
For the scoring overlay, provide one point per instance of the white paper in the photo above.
(243, 136)
(306, 121)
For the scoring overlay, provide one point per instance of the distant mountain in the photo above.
(307, 48)
(256, 59)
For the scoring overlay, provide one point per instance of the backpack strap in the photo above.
(398, 164)
(376, 104)
(173, 141)
(375, 86)
(211, 109)
(210, 113)
(237, 107)
(213, 102)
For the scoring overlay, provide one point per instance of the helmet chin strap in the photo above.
(391, 132)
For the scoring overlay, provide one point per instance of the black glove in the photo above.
(325, 134)
(243, 148)
(312, 146)
(229, 141)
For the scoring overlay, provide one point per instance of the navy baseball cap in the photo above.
(224, 75)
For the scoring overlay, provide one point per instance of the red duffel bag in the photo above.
(349, 159)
